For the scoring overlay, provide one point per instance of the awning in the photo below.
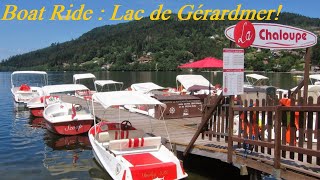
(188, 81)
(106, 82)
(119, 98)
(29, 72)
(146, 87)
(63, 88)
(83, 76)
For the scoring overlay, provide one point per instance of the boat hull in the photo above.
(37, 112)
(72, 127)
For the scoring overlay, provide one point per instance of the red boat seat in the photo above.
(125, 134)
(130, 144)
(24, 87)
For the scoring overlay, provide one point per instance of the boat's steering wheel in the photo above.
(126, 125)
(78, 107)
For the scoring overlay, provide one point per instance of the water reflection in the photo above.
(97, 172)
(64, 155)
(37, 122)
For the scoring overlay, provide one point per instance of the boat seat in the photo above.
(103, 137)
(125, 134)
(123, 145)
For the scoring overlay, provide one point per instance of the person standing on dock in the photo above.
(285, 101)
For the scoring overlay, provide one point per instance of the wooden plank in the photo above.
(307, 61)
(277, 143)
(301, 128)
(203, 123)
(269, 128)
(318, 131)
(255, 126)
(263, 126)
(219, 110)
(309, 130)
(265, 108)
(253, 142)
(309, 152)
(313, 108)
(292, 128)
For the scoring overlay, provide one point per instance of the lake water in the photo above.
(29, 151)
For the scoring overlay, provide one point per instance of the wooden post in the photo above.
(230, 130)
(307, 59)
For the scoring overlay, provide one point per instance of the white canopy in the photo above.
(83, 76)
(63, 88)
(257, 80)
(256, 76)
(146, 87)
(188, 81)
(118, 98)
(105, 82)
(29, 72)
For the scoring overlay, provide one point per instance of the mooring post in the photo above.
(230, 131)
(306, 74)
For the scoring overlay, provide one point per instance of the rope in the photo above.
(165, 125)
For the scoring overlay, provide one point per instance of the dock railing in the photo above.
(283, 132)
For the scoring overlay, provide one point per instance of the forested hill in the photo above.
(152, 45)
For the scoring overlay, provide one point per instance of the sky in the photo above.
(17, 37)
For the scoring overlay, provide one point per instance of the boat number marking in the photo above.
(72, 128)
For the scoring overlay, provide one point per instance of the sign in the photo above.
(233, 71)
(270, 36)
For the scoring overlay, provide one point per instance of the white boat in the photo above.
(148, 88)
(313, 88)
(83, 79)
(123, 151)
(195, 84)
(51, 95)
(259, 87)
(256, 80)
(67, 119)
(107, 85)
(26, 85)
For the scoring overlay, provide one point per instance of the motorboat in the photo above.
(88, 80)
(194, 84)
(108, 85)
(67, 119)
(150, 89)
(256, 80)
(259, 87)
(124, 151)
(313, 87)
(51, 95)
(26, 85)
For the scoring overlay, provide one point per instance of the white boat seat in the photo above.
(103, 137)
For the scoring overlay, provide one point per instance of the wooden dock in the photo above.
(214, 145)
